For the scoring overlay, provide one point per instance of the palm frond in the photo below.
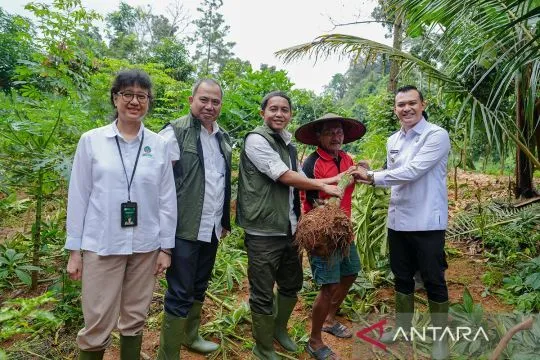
(466, 225)
(357, 47)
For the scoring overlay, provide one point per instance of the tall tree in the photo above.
(16, 44)
(338, 86)
(393, 22)
(135, 32)
(212, 52)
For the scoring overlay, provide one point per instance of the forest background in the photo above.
(477, 63)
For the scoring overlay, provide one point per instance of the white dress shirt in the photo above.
(214, 181)
(267, 161)
(98, 186)
(416, 171)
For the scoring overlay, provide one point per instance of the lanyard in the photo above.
(134, 167)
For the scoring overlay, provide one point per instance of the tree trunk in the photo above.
(36, 234)
(523, 168)
(537, 127)
(397, 42)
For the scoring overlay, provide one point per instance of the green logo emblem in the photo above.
(147, 149)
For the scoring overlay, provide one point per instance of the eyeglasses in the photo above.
(128, 97)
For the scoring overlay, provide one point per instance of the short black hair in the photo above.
(131, 77)
(209, 81)
(272, 94)
(407, 88)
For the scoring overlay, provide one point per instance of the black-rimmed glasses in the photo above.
(128, 97)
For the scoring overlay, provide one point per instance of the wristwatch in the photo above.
(370, 176)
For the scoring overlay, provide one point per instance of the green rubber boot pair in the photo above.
(404, 316)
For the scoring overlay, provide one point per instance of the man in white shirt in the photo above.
(418, 213)
(201, 155)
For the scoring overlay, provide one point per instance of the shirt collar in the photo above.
(418, 128)
(112, 131)
(215, 129)
(326, 156)
(284, 134)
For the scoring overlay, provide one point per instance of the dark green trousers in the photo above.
(271, 260)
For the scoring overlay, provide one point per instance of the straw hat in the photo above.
(352, 129)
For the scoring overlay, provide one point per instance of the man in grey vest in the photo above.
(201, 155)
(268, 209)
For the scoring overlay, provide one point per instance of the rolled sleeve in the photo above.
(265, 159)
(167, 207)
(80, 188)
(435, 148)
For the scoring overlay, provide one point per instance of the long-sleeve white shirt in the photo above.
(98, 186)
(416, 172)
(267, 161)
(214, 181)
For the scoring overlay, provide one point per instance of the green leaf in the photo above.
(24, 277)
(29, 267)
(10, 254)
(468, 302)
(533, 281)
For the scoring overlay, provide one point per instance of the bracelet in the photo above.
(166, 251)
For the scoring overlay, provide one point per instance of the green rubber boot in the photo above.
(91, 355)
(193, 340)
(439, 318)
(263, 333)
(285, 307)
(130, 347)
(404, 315)
(170, 339)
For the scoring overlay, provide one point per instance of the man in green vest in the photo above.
(268, 209)
(201, 155)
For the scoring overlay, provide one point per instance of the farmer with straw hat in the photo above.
(268, 209)
(334, 274)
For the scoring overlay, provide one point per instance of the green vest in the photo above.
(189, 176)
(263, 204)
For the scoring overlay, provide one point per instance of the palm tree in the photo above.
(488, 61)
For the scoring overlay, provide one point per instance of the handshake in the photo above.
(361, 173)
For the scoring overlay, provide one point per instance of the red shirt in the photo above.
(321, 165)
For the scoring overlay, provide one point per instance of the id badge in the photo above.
(128, 214)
